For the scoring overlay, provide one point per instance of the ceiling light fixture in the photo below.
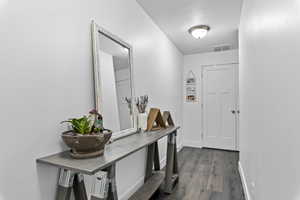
(199, 31)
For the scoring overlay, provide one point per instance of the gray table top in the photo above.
(113, 152)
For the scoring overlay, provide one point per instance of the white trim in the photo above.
(123, 133)
(180, 147)
(244, 182)
(237, 85)
(195, 144)
(96, 29)
(163, 160)
(127, 194)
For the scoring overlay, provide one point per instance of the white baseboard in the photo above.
(189, 143)
(126, 195)
(244, 182)
(179, 148)
(163, 160)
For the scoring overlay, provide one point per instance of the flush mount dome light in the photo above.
(200, 31)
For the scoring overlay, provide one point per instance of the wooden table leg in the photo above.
(175, 167)
(65, 183)
(149, 164)
(79, 187)
(175, 170)
(171, 166)
(112, 187)
(156, 157)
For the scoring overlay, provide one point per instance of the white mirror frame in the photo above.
(96, 29)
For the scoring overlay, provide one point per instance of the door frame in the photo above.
(237, 105)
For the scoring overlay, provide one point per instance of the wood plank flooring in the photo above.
(206, 174)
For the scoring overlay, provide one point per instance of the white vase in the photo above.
(142, 121)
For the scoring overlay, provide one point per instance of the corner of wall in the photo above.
(190, 143)
(244, 182)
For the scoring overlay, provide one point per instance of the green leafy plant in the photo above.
(80, 125)
(87, 124)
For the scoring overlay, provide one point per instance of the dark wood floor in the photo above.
(206, 174)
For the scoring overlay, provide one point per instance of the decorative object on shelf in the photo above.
(87, 137)
(168, 119)
(191, 87)
(155, 120)
(129, 104)
(113, 81)
(142, 121)
(141, 104)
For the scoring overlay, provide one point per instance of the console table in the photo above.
(72, 170)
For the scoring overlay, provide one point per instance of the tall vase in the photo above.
(142, 121)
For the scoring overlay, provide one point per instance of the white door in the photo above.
(220, 106)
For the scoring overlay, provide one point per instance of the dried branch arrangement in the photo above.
(129, 104)
(141, 103)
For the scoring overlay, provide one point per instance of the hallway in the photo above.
(207, 174)
(108, 91)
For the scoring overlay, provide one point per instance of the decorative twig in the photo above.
(129, 104)
(141, 103)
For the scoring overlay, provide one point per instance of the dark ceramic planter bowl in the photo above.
(86, 146)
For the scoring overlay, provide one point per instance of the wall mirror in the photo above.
(113, 82)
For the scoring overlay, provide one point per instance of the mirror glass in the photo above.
(114, 82)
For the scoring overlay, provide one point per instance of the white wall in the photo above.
(46, 77)
(269, 98)
(192, 111)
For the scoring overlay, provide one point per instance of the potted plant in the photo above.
(87, 136)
